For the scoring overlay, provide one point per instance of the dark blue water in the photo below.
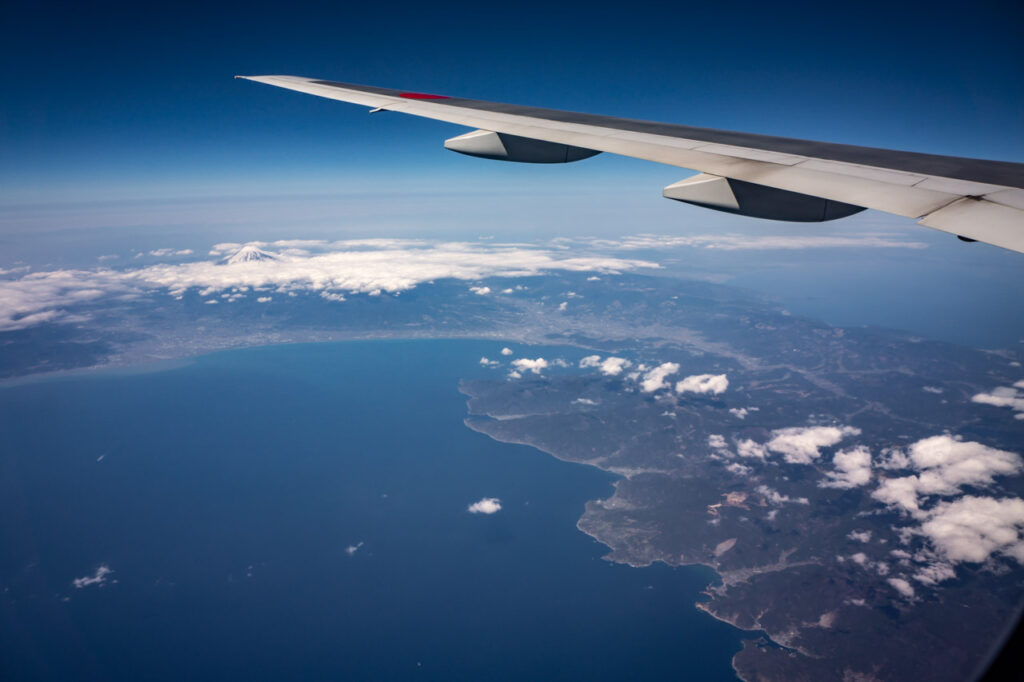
(227, 494)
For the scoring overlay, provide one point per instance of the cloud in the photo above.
(852, 469)
(613, 366)
(738, 469)
(352, 549)
(717, 441)
(480, 291)
(584, 401)
(745, 242)
(162, 253)
(329, 268)
(264, 299)
(99, 578)
(749, 448)
(859, 535)
(610, 366)
(655, 379)
(1004, 396)
(774, 497)
(506, 351)
(973, 528)
(739, 412)
(489, 363)
(946, 464)
(902, 586)
(934, 573)
(488, 505)
(802, 444)
(715, 384)
(528, 365)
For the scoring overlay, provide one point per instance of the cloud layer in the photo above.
(329, 268)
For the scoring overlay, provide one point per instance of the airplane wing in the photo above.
(756, 175)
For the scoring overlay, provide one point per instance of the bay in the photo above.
(300, 512)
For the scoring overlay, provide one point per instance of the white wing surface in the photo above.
(756, 175)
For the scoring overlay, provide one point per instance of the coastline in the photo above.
(615, 554)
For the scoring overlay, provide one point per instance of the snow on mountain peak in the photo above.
(248, 254)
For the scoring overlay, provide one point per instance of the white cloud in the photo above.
(802, 444)
(1004, 396)
(738, 469)
(774, 497)
(749, 448)
(714, 384)
(934, 573)
(744, 242)
(563, 305)
(859, 535)
(98, 578)
(352, 549)
(739, 412)
(161, 253)
(717, 441)
(610, 366)
(973, 528)
(489, 363)
(264, 299)
(584, 401)
(480, 291)
(655, 379)
(613, 366)
(332, 268)
(902, 586)
(488, 505)
(852, 469)
(528, 365)
(946, 464)
(506, 351)
(932, 389)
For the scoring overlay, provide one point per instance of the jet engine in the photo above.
(757, 201)
(505, 147)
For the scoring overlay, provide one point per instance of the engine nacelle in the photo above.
(504, 147)
(756, 201)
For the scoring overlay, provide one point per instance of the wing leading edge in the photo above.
(972, 198)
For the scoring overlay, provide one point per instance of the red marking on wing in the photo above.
(420, 95)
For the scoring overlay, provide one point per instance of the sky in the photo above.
(126, 100)
(122, 131)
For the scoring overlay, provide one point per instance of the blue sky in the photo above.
(122, 130)
(108, 100)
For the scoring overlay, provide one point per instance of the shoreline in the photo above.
(699, 605)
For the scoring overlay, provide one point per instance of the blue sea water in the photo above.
(223, 496)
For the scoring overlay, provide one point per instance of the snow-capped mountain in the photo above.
(247, 254)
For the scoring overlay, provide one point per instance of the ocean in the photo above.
(300, 512)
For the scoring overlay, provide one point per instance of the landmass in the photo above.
(857, 491)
